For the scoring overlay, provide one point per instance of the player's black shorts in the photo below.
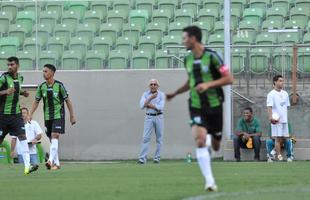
(54, 126)
(211, 119)
(13, 124)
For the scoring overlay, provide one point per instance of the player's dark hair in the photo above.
(276, 78)
(249, 109)
(13, 59)
(24, 108)
(194, 31)
(51, 67)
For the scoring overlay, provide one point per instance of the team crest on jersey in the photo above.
(197, 120)
(55, 94)
(205, 68)
(44, 94)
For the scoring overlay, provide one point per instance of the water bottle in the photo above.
(189, 157)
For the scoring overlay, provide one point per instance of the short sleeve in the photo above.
(217, 60)
(288, 100)
(63, 92)
(2, 81)
(258, 127)
(38, 94)
(37, 128)
(270, 102)
(240, 125)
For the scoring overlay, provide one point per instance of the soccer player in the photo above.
(277, 103)
(206, 74)
(54, 95)
(10, 113)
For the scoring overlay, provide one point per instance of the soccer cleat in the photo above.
(27, 170)
(33, 168)
(48, 165)
(55, 167)
(289, 159)
(270, 160)
(156, 161)
(212, 188)
(280, 158)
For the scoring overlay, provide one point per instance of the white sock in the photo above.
(25, 152)
(204, 162)
(53, 150)
(56, 160)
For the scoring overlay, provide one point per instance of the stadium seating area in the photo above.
(123, 34)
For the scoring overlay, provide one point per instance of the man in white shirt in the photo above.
(33, 134)
(277, 104)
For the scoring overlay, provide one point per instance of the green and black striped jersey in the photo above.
(9, 104)
(53, 100)
(202, 70)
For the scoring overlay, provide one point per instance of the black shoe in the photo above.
(156, 161)
(33, 168)
(256, 159)
(140, 162)
(238, 160)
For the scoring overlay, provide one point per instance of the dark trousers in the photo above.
(238, 143)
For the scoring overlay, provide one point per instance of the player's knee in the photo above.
(200, 142)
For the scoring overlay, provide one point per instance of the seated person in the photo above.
(248, 134)
(288, 145)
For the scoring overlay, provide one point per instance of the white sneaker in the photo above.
(270, 160)
(289, 159)
(280, 158)
(212, 188)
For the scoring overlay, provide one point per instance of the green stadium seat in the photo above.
(79, 7)
(238, 5)
(101, 6)
(271, 24)
(254, 15)
(95, 59)
(216, 39)
(155, 30)
(250, 27)
(64, 31)
(132, 31)
(300, 15)
(26, 19)
(276, 14)
(86, 30)
(102, 44)
(176, 28)
(265, 38)
(79, 44)
(122, 5)
(149, 44)
(219, 27)
(237, 61)
(282, 4)
(126, 44)
(171, 40)
(282, 59)
(16, 30)
(208, 16)
(289, 38)
(34, 6)
(11, 7)
(306, 39)
(109, 30)
(146, 5)
(292, 24)
(242, 39)
(43, 31)
(192, 5)
(117, 17)
(204, 29)
(213, 4)
(162, 59)
(302, 3)
(304, 59)
(162, 16)
(139, 18)
(71, 18)
(9, 45)
(72, 60)
(57, 6)
(6, 19)
(141, 59)
(3, 60)
(26, 60)
(32, 45)
(118, 60)
(235, 16)
(262, 4)
(57, 44)
(184, 16)
(259, 60)
(48, 57)
(170, 5)
(308, 27)
(93, 17)
(49, 18)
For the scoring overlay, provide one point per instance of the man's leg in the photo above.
(237, 141)
(147, 131)
(269, 147)
(203, 156)
(159, 131)
(24, 151)
(289, 148)
(256, 142)
(53, 151)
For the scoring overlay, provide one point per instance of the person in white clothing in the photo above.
(33, 134)
(277, 104)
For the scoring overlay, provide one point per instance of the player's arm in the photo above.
(8, 91)
(13, 145)
(24, 93)
(34, 107)
(70, 108)
(180, 90)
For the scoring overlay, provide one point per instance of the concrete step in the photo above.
(301, 143)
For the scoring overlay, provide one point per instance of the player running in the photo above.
(54, 95)
(206, 74)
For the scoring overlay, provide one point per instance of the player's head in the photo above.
(13, 64)
(48, 71)
(247, 113)
(191, 36)
(153, 84)
(278, 81)
(25, 113)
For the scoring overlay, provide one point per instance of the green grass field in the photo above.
(169, 180)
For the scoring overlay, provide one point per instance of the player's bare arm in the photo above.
(8, 91)
(70, 108)
(25, 93)
(226, 79)
(33, 109)
(182, 89)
